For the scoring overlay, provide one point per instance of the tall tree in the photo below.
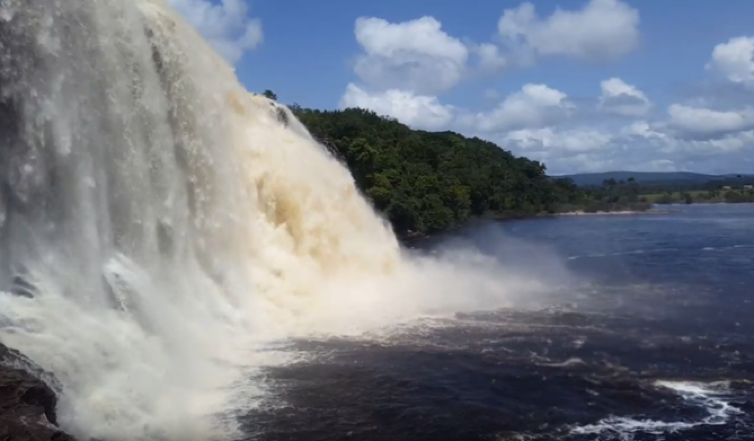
(270, 94)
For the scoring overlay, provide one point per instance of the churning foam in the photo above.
(709, 396)
(163, 222)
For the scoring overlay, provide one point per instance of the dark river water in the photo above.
(650, 338)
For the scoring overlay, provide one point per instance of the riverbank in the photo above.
(411, 238)
(609, 213)
(706, 202)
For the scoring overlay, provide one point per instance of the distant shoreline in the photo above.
(715, 202)
(609, 213)
(409, 238)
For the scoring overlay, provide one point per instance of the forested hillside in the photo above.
(427, 181)
(657, 179)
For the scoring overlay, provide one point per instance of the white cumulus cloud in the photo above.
(699, 122)
(227, 26)
(417, 111)
(602, 30)
(622, 98)
(636, 147)
(416, 55)
(564, 142)
(535, 105)
(490, 57)
(734, 60)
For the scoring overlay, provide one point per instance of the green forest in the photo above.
(426, 182)
(732, 189)
(727, 195)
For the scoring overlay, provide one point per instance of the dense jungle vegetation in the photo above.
(426, 182)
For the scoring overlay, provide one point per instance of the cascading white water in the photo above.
(160, 221)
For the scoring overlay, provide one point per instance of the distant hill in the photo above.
(649, 177)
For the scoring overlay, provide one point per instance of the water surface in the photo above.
(646, 335)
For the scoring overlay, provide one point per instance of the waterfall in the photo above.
(158, 221)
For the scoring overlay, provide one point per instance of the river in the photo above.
(645, 333)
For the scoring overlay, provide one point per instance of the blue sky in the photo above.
(582, 85)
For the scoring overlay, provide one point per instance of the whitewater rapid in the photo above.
(159, 223)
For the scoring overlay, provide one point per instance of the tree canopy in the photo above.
(425, 181)
(270, 94)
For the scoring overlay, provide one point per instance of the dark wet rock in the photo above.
(20, 286)
(27, 404)
(282, 116)
(331, 147)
